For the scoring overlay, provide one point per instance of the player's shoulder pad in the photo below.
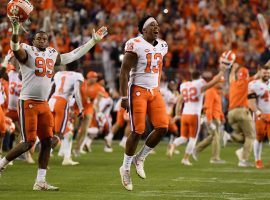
(132, 44)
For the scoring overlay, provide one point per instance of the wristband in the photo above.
(14, 46)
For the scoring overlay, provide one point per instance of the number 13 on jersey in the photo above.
(155, 69)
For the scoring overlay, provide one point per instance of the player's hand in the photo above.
(100, 34)
(212, 126)
(176, 118)
(15, 23)
(124, 104)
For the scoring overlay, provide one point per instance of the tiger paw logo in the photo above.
(14, 10)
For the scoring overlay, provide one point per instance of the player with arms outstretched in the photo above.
(37, 67)
(142, 63)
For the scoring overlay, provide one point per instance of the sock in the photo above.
(180, 140)
(4, 162)
(127, 162)
(257, 148)
(190, 145)
(144, 152)
(41, 175)
(110, 136)
(171, 139)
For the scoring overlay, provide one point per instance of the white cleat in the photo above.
(244, 163)
(176, 152)
(126, 178)
(43, 185)
(239, 154)
(139, 164)
(122, 144)
(108, 149)
(186, 162)
(69, 161)
(108, 140)
(10, 163)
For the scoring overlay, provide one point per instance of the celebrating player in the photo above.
(259, 103)
(37, 65)
(143, 60)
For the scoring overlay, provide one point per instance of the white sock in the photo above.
(180, 140)
(41, 175)
(4, 162)
(110, 136)
(190, 146)
(127, 162)
(144, 152)
(171, 139)
(67, 145)
(257, 148)
(124, 140)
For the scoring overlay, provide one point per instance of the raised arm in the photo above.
(82, 50)
(179, 105)
(19, 53)
(215, 80)
(129, 61)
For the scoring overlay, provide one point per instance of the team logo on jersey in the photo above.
(146, 50)
(130, 46)
(138, 94)
(154, 49)
(30, 106)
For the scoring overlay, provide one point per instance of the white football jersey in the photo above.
(15, 86)
(262, 91)
(64, 83)
(150, 59)
(2, 94)
(170, 99)
(193, 97)
(37, 73)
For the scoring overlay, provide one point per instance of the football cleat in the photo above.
(244, 163)
(126, 178)
(19, 9)
(43, 185)
(139, 164)
(69, 161)
(108, 149)
(186, 162)
(259, 164)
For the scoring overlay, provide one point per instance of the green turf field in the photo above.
(97, 177)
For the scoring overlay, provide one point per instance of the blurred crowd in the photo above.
(197, 31)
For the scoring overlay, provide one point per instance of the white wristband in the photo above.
(14, 46)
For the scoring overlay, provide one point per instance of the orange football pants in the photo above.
(190, 125)
(143, 101)
(2, 122)
(35, 120)
(263, 127)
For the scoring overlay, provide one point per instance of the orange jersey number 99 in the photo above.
(45, 67)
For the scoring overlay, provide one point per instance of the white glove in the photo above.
(100, 34)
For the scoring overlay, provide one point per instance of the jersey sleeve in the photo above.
(79, 77)
(132, 46)
(164, 47)
(199, 85)
(26, 47)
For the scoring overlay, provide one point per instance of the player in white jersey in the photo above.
(259, 103)
(66, 84)
(142, 63)
(191, 95)
(170, 95)
(37, 67)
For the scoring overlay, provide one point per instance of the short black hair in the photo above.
(142, 21)
(195, 75)
(39, 31)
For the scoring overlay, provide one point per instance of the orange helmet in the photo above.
(91, 74)
(20, 9)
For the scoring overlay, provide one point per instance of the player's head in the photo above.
(265, 71)
(148, 27)
(242, 73)
(41, 40)
(195, 75)
(92, 77)
(172, 85)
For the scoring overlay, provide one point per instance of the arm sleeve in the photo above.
(77, 53)
(78, 96)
